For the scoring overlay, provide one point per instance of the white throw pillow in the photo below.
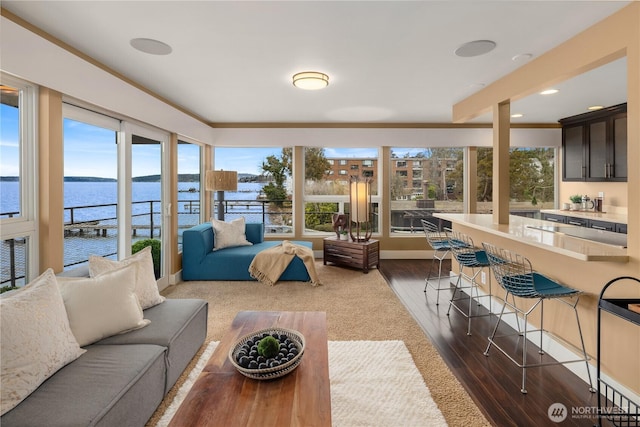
(229, 234)
(146, 287)
(101, 306)
(35, 341)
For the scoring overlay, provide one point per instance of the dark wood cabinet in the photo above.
(363, 255)
(585, 222)
(594, 145)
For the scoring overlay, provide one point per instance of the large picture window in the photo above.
(423, 181)
(327, 172)
(264, 186)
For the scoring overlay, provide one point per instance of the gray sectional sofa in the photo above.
(120, 380)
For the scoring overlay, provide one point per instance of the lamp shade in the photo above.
(359, 201)
(221, 180)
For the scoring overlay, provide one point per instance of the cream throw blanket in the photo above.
(268, 265)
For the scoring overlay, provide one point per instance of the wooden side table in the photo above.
(363, 255)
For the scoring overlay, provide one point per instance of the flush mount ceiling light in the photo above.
(517, 115)
(151, 46)
(310, 80)
(549, 92)
(475, 48)
(595, 107)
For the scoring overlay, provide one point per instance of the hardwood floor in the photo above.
(494, 381)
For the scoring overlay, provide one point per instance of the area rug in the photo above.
(359, 307)
(373, 383)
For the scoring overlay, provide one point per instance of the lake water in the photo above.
(105, 193)
(79, 244)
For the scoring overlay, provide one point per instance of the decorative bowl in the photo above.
(280, 367)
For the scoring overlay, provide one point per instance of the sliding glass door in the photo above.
(146, 208)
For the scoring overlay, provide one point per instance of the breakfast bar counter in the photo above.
(540, 234)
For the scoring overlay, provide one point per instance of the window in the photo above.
(531, 176)
(264, 185)
(327, 175)
(423, 182)
(189, 192)
(18, 231)
(90, 186)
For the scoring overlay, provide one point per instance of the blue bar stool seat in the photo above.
(515, 274)
(468, 257)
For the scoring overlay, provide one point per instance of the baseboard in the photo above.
(556, 348)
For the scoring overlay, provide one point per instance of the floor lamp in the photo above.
(221, 181)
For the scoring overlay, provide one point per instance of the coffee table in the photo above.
(221, 396)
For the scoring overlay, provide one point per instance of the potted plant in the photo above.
(576, 202)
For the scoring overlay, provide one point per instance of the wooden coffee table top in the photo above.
(221, 396)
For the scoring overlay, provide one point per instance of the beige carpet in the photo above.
(362, 374)
(358, 306)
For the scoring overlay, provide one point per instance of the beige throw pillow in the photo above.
(229, 234)
(35, 340)
(146, 287)
(101, 306)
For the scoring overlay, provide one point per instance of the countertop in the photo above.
(519, 229)
(600, 216)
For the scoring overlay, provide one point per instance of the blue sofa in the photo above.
(200, 262)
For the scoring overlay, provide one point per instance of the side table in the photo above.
(363, 255)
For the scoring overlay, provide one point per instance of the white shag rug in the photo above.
(373, 383)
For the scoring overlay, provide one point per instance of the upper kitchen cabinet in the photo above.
(594, 145)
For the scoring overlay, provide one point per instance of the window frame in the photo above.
(26, 225)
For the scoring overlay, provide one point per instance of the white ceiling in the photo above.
(388, 61)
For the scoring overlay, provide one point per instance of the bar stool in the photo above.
(439, 242)
(515, 274)
(470, 257)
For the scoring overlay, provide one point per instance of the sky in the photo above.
(91, 151)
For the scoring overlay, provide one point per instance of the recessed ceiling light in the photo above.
(517, 115)
(475, 48)
(595, 107)
(522, 57)
(549, 92)
(151, 46)
(310, 80)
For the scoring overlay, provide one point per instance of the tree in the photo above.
(277, 168)
(396, 187)
(316, 164)
(530, 174)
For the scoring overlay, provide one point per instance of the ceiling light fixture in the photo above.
(595, 107)
(517, 115)
(475, 48)
(549, 92)
(151, 46)
(310, 80)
